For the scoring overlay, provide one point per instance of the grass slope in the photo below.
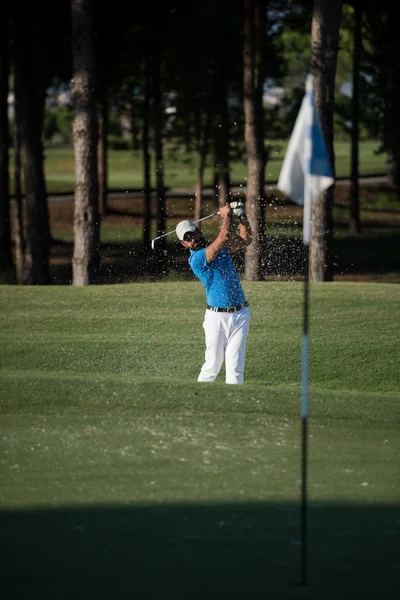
(123, 476)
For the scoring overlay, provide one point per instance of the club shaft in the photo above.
(208, 217)
(173, 231)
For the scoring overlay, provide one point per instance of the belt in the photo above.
(228, 309)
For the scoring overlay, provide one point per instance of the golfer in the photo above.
(227, 318)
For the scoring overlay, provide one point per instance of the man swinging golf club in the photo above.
(227, 318)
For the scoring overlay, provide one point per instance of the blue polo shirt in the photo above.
(219, 278)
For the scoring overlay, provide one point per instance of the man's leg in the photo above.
(216, 339)
(236, 347)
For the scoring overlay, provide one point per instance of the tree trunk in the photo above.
(254, 39)
(146, 158)
(102, 148)
(30, 93)
(392, 95)
(393, 168)
(215, 183)
(355, 223)
(19, 239)
(198, 203)
(198, 198)
(222, 142)
(126, 119)
(202, 146)
(325, 44)
(223, 185)
(86, 257)
(135, 127)
(202, 124)
(158, 146)
(5, 226)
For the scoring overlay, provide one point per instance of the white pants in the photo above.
(226, 337)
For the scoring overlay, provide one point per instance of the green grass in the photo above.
(126, 168)
(123, 477)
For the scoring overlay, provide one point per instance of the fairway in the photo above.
(125, 167)
(123, 477)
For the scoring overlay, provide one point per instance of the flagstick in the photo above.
(304, 421)
(306, 172)
(304, 382)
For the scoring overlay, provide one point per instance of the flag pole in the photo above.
(305, 342)
(306, 172)
(304, 421)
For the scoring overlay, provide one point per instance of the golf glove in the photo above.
(237, 208)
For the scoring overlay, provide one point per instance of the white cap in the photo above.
(183, 227)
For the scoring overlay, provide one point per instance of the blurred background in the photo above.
(182, 104)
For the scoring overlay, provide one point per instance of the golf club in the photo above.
(174, 230)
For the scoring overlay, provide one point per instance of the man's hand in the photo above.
(237, 242)
(237, 208)
(225, 210)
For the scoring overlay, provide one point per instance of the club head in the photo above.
(152, 244)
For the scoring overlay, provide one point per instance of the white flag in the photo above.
(306, 170)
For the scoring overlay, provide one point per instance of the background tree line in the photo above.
(209, 62)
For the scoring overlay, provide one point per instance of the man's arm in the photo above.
(220, 241)
(237, 242)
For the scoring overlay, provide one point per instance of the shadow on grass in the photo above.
(376, 252)
(198, 551)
